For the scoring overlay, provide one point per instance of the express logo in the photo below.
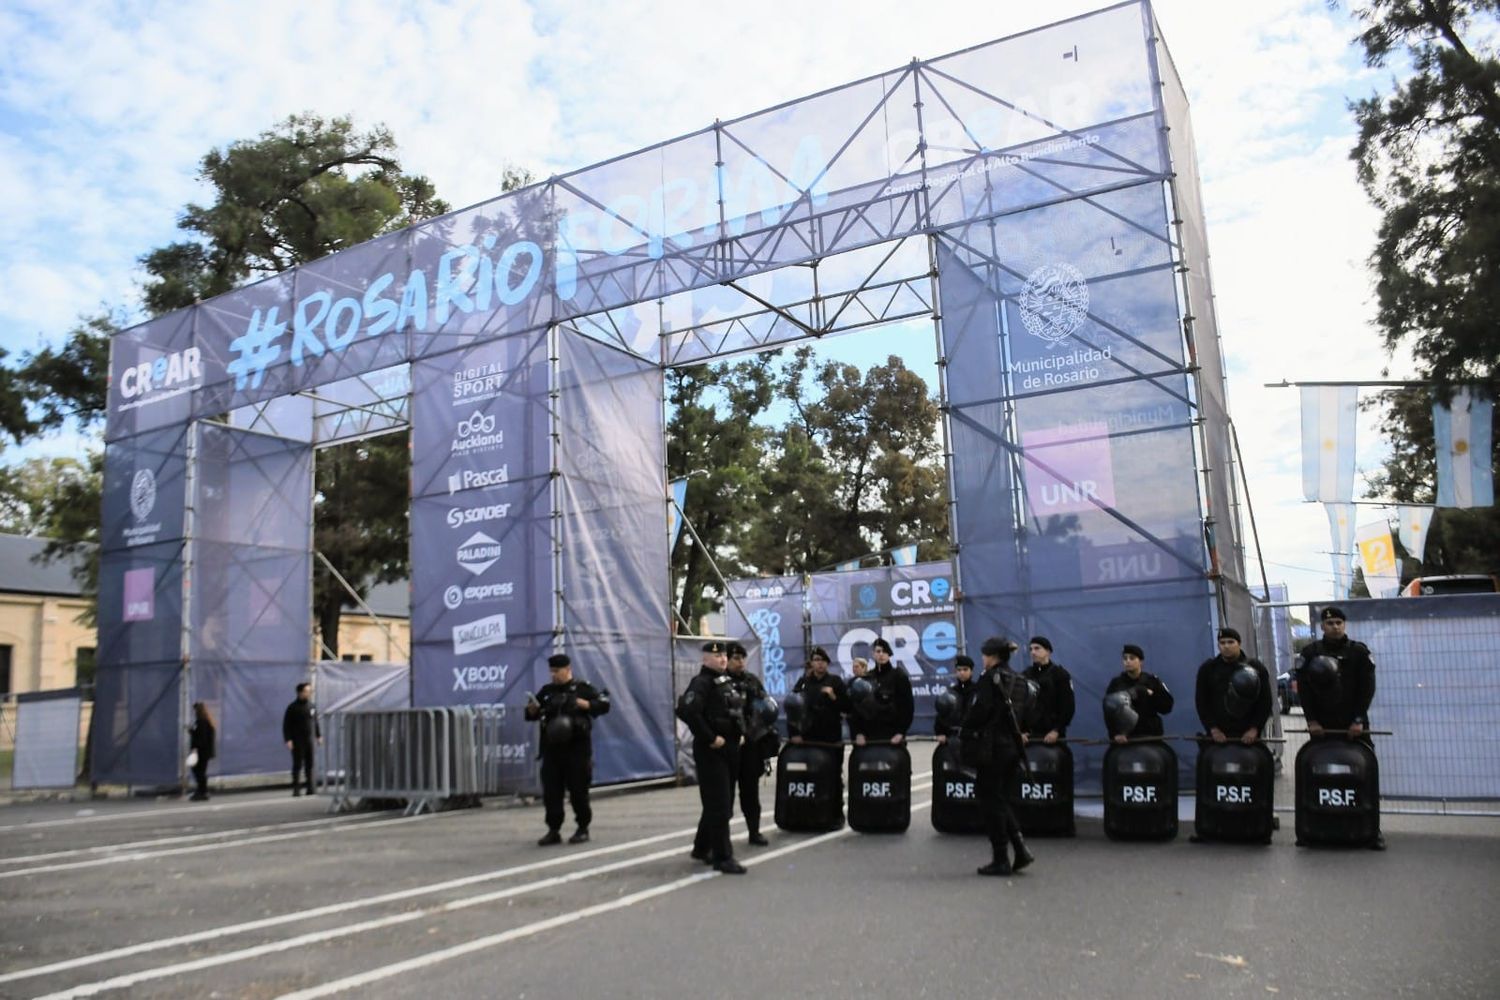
(1054, 302)
(478, 553)
(477, 433)
(455, 597)
(142, 494)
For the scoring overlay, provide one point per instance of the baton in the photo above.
(1340, 732)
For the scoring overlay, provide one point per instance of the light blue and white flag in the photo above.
(679, 497)
(1413, 529)
(1341, 531)
(906, 555)
(1465, 459)
(1328, 422)
(845, 567)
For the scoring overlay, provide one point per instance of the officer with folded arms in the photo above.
(1144, 694)
(1233, 692)
(566, 708)
(752, 763)
(714, 713)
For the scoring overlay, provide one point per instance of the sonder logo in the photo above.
(477, 635)
(479, 553)
(460, 516)
(477, 434)
(469, 479)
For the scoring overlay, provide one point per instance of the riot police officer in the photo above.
(1054, 708)
(714, 713)
(566, 708)
(826, 700)
(990, 727)
(963, 693)
(1148, 695)
(1336, 684)
(752, 763)
(889, 713)
(1233, 692)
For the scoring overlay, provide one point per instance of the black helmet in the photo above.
(1244, 688)
(1323, 673)
(862, 695)
(946, 706)
(558, 730)
(765, 710)
(794, 707)
(1120, 713)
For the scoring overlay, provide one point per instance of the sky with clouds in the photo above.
(106, 108)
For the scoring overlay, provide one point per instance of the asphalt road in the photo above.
(262, 895)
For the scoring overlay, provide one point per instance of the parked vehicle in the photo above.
(1465, 583)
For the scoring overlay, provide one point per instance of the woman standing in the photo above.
(201, 738)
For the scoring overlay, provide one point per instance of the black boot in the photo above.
(1018, 847)
(1000, 865)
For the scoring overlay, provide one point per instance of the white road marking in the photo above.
(190, 837)
(89, 815)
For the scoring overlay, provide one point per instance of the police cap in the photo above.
(1331, 614)
(558, 660)
(735, 649)
(713, 646)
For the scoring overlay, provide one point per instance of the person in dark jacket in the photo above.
(890, 712)
(566, 708)
(202, 740)
(752, 765)
(712, 710)
(1223, 709)
(827, 701)
(963, 690)
(990, 727)
(1149, 695)
(300, 730)
(1054, 708)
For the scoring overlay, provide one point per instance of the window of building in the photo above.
(366, 658)
(83, 667)
(347, 657)
(5, 687)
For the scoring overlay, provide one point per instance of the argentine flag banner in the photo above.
(1413, 531)
(1341, 533)
(1328, 419)
(1465, 459)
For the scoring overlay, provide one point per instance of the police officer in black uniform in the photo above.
(990, 727)
(825, 700)
(963, 691)
(752, 764)
(1339, 699)
(566, 708)
(893, 708)
(1213, 698)
(300, 730)
(1148, 693)
(714, 713)
(1053, 711)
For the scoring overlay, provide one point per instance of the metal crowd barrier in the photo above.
(432, 758)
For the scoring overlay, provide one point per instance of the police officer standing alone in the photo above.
(752, 765)
(1337, 695)
(1148, 695)
(1054, 704)
(887, 718)
(566, 708)
(713, 712)
(300, 729)
(1230, 704)
(990, 727)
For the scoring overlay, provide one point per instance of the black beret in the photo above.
(1331, 613)
(1043, 641)
(963, 661)
(713, 647)
(819, 653)
(1131, 649)
(881, 644)
(996, 646)
(558, 661)
(735, 649)
(1229, 633)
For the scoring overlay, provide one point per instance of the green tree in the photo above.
(1428, 155)
(33, 493)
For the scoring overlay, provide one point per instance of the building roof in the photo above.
(23, 572)
(388, 600)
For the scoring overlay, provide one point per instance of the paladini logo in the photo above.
(1054, 302)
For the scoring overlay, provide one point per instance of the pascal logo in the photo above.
(1054, 302)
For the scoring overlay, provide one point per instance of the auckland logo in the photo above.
(1054, 302)
(477, 434)
(142, 494)
(478, 553)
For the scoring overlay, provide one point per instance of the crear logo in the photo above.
(486, 678)
(477, 433)
(1054, 302)
(923, 594)
(460, 516)
(767, 593)
(469, 479)
(478, 553)
(477, 635)
(142, 494)
(454, 597)
(170, 371)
